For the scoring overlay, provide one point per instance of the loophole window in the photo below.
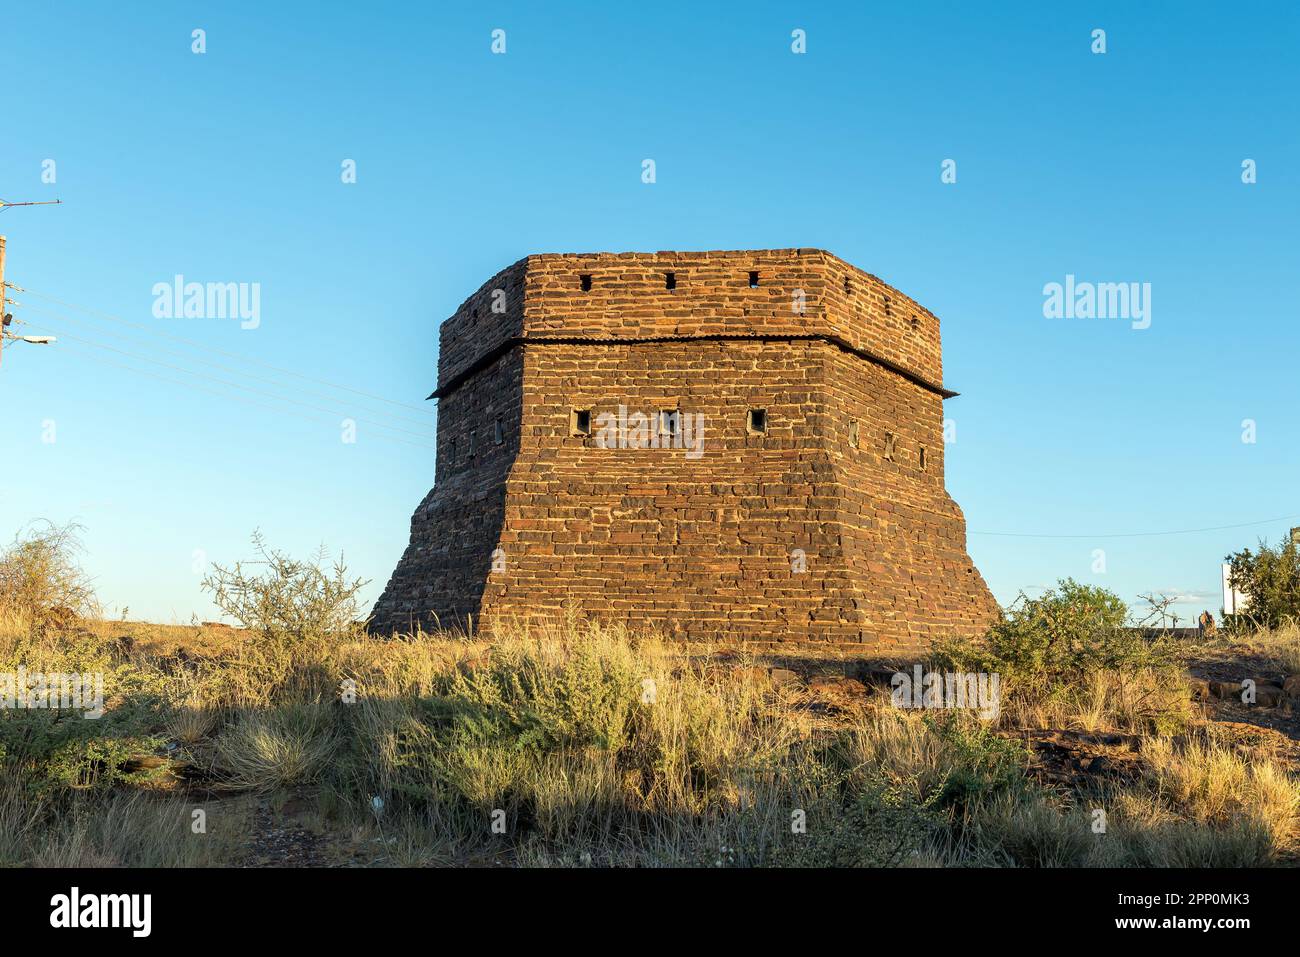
(669, 420)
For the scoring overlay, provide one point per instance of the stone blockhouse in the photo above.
(742, 445)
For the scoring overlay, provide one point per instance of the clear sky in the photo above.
(226, 166)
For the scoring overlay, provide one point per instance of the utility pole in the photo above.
(5, 318)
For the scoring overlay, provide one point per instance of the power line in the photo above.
(59, 317)
(226, 382)
(6, 319)
(1180, 531)
(423, 410)
(232, 355)
(238, 398)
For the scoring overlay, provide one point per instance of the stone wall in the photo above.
(824, 525)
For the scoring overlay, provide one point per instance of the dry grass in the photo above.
(590, 745)
(1280, 645)
(1212, 782)
(263, 751)
(1106, 700)
(124, 829)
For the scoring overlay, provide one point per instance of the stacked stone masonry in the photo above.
(786, 484)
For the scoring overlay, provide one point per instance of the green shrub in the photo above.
(876, 823)
(980, 765)
(949, 761)
(490, 732)
(55, 750)
(1270, 579)
(564, 736)
(58, 748)
(1055, 641)
(588, 701)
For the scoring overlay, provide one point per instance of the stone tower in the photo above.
(735, 445)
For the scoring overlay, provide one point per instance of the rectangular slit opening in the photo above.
(756, 421)
(753, 280)
(580, 422)
(585, 279)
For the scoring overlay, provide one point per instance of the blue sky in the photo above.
(1115, 167)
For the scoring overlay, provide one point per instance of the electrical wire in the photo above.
(238, 398)
(1180, 531)
(231, 355)
(426, 411)
(226, 382)
(59, 317)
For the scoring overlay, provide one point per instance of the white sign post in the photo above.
(1234, 602)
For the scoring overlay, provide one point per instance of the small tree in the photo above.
(1270, 580)
(1061, 633)
(1058, 639)
(40, 576)
(289, 601)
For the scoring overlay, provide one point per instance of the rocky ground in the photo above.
(1267, 724)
